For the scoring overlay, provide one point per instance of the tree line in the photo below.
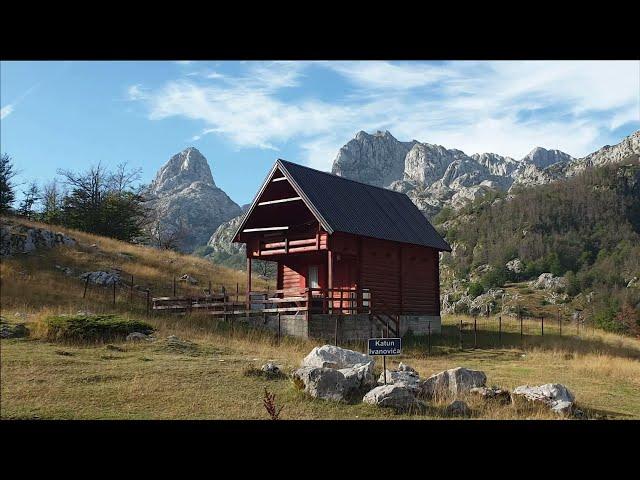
(108, 202)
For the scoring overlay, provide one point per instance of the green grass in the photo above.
(91, 328)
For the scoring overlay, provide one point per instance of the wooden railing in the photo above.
(334, 301)
(282, 245)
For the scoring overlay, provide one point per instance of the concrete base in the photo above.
(349, 327)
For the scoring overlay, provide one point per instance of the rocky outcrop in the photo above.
(377, 159)
(16, 238)
(330, 356)
(186, 202)
(555, 396)
(547, 281)
(102, 278)
(12, 330)
(515, 265)
(454, 382)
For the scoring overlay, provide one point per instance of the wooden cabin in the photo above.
(360, 252)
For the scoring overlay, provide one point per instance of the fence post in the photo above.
(278, 328)
(500, 330)
(131, 291)
(475, 331)
(209, 287)
(237, 291)
(148, 301)
(460, 330)
(429, 327)
(174, 285)
(114, 292)
(542, 324)
(86, 284)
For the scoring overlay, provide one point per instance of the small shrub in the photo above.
(251, 371)
(475, 289)
(92, 328)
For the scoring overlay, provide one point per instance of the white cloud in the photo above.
(503, 107)
(6, 111)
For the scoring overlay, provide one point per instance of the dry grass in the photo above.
(123, 380)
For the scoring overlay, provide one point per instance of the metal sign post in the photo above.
(383, 347)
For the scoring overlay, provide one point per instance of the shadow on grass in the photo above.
(448, 342)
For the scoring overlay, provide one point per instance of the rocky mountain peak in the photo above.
(542, 158)
(182, 170)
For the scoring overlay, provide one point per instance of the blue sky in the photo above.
(244, 115)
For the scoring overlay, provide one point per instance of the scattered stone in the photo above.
(330, 356)
(270, 368)
(553, 395)
(393, 396)
(66, 270)
(458, 408)
(493, 393)
(102, 278)
(406, 368)
(454, 382)
(189, 279)
(138, 337)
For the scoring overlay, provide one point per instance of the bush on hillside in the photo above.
(92, 328)
(475, 289)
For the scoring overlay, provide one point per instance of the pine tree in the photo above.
(7, 193)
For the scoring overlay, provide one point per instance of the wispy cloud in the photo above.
(8, 109)
(504, 107)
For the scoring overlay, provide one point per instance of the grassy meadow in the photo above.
(48, 379)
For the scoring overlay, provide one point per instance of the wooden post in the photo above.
(209, 287)
(475, 331)
(174, 285)
(279, 333)
(131, 291)
(86, 284)
(542, 325)
(335, 333)
(429, 330)
(237, 291)
(248, 301)
(460, 331)
(114, 292)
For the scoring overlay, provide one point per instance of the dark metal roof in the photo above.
(344, 205)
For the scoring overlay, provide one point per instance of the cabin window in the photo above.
(312, 280)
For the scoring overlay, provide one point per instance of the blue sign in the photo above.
(385, 346)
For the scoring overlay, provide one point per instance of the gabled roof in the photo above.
(344, 205)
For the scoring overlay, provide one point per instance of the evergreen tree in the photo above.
(7, 193)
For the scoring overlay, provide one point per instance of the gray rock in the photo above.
(493, 393)
(553, 395)
(406, 368)
(458, 408)
(16, 238)
(515, 265)
(102, 278)
(359, 377)
(188, 279)
(330, 356)
(138, 337)
(185, 201)
(323, 383)
(12, 330)
(393, 396)
(454, 382)
(270, 368)
(548, 281)
(407, 379)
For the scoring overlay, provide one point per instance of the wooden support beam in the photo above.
(279, 179)
(263, 229)
(282, 200)
(248, 300)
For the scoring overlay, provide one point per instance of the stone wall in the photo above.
(419, 324)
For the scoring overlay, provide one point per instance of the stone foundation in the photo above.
(349, 327)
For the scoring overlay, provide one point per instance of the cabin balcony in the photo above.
(285, 244)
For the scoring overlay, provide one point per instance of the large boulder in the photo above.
(457, 408)
(407, 379)
(393, 396)
(492, 393)
(455, 381)
(553, 395)
(359, 379)
(330, 356)
(319, 382)
(546, 281)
